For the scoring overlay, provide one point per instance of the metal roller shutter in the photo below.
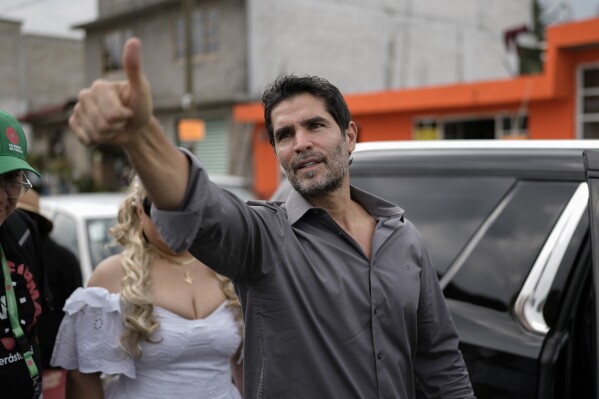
(213, 150)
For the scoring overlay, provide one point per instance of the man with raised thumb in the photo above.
(340, 298)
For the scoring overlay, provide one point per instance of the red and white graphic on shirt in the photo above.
(32, 291)
(8, 343)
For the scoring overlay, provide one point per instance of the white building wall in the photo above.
(372, 45)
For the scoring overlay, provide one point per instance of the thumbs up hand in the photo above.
(115, 112)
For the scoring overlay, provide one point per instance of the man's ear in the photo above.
(351, 135)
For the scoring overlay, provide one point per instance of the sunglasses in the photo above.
(15, 184)
(147, 205)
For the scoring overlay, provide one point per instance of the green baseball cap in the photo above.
(13, 145)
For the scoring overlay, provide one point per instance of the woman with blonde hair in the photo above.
(163, 323)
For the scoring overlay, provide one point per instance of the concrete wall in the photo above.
(37, 71)
(13, 88)
(219, 79)
(55, 69)
(372, 45)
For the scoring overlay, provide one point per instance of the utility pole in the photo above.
(187, 101)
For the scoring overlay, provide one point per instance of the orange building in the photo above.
(562, 102)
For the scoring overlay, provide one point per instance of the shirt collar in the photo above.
(297, 206)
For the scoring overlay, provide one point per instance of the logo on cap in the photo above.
(12, 135)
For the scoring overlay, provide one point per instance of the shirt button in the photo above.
(379, 356)
(376, 310)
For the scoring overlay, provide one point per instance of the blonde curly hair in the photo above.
(138, 310)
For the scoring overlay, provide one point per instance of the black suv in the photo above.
(508, 229)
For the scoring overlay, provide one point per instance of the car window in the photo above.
(446, 210)
(100, 242)
(495, 270)
(65, 233)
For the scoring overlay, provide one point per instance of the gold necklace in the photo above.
(187, 275)
(172, 259)
(175, 263)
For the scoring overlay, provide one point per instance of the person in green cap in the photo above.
(23, 293)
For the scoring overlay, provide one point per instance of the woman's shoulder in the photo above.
(108, 274)
(92, 297)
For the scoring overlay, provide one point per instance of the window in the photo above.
(99, 239)
(588, 102)
(205, 26)
(477, 129)
(500, 126)
(112, 49)
(495, 270)
(512, 126)
(447, 211)
(427, 130)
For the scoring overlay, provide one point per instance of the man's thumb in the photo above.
(132, 63)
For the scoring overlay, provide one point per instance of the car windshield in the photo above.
(100, 243)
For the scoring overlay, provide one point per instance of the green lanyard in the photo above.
(13, 315)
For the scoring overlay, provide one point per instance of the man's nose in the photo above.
(303, 140)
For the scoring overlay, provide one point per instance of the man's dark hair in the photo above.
(287, 86)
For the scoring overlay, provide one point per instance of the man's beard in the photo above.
(317, 183)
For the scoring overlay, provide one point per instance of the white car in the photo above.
(81, 221)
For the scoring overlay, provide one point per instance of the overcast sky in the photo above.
(50, 17)
(55, 17)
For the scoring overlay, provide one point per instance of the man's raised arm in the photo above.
(121, 113)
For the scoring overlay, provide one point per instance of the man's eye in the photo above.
(282, 136)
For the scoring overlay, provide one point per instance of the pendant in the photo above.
(188, 278)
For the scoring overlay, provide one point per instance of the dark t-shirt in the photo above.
(14, 376)
(64, 276)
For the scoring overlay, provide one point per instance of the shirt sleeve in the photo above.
(217, 227)
(439, 366)
(178, 228)
(88, 338)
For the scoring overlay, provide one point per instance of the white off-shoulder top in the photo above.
(190, 360)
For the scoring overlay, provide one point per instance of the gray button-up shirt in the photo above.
(323, 320)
